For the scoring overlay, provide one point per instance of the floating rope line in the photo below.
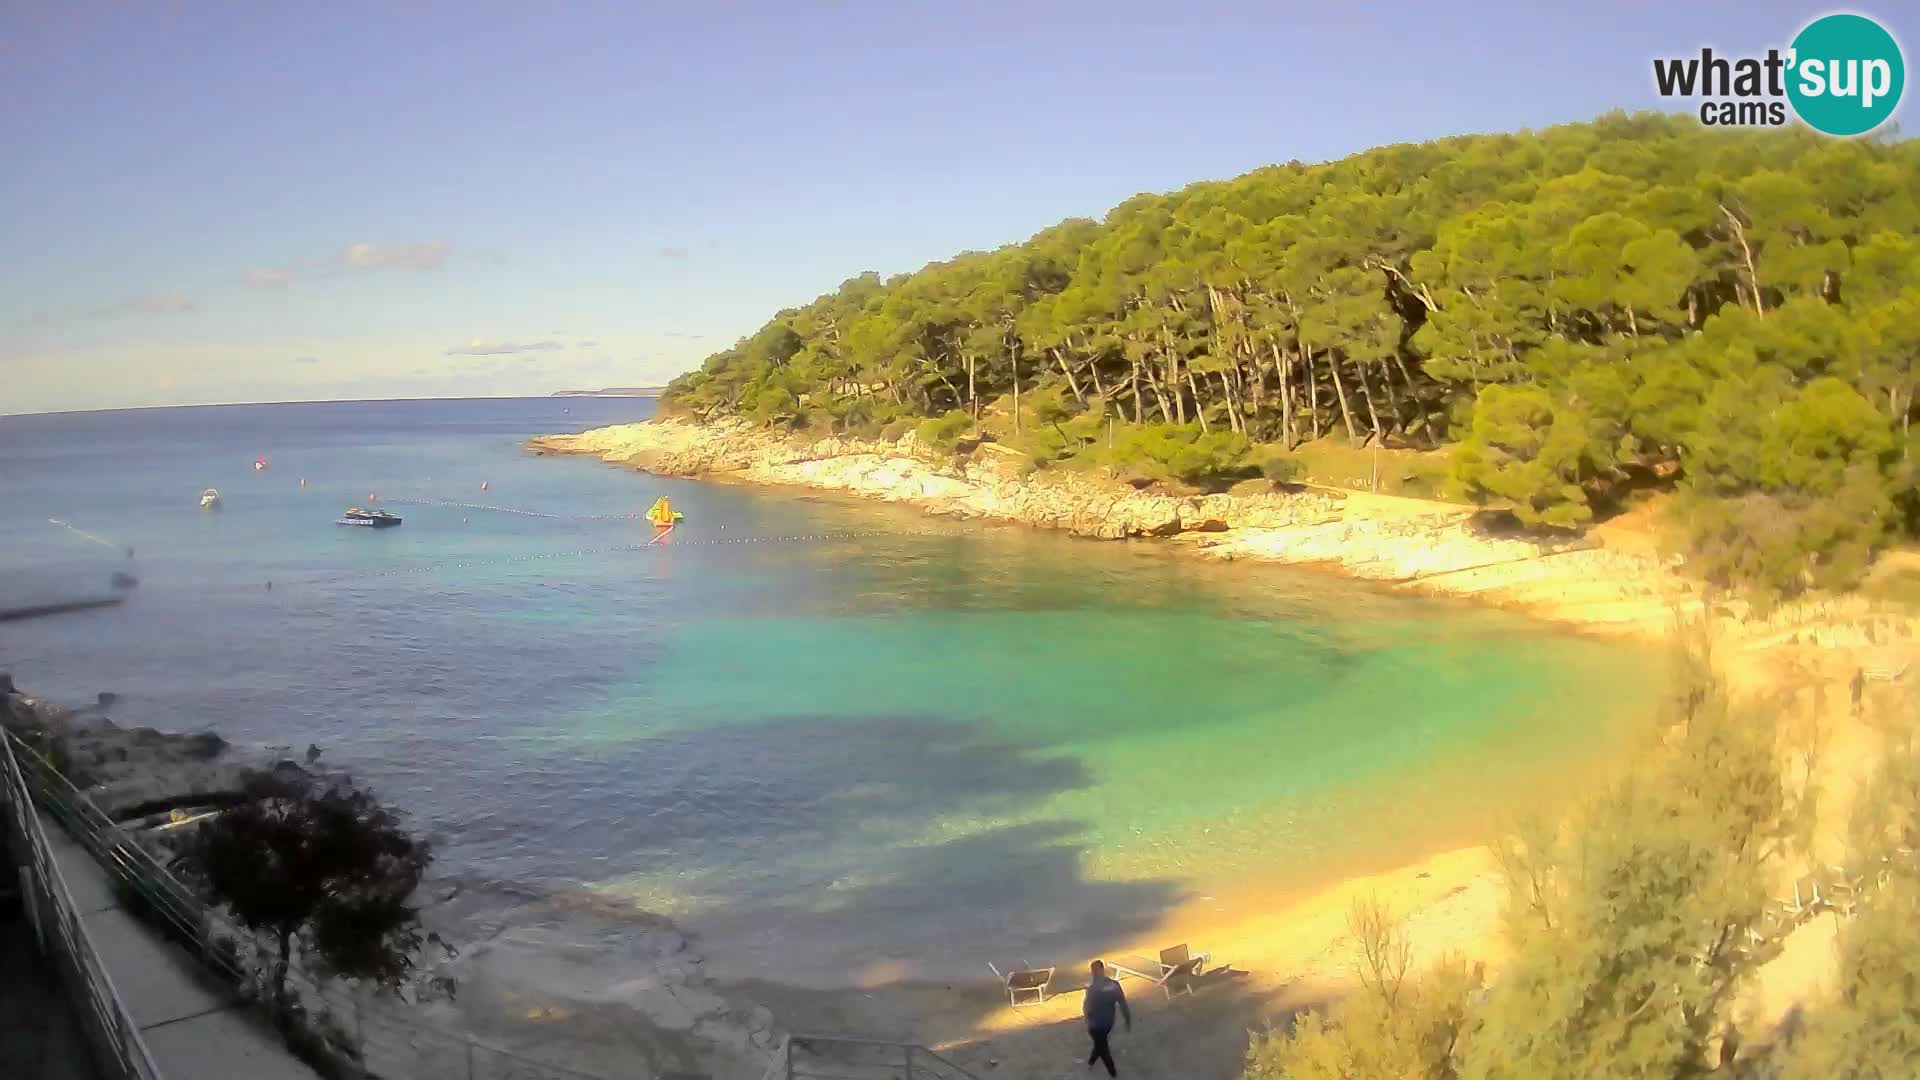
(340, 577)
(735, 541)
(84, 534)
(491, 509)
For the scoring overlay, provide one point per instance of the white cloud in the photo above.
(675, 252)
(423, 255)
(482, 347)
(268, 277)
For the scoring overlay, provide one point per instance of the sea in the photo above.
(817, 733)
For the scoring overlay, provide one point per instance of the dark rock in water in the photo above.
(204, 746)
(106, 698)
(6, 684)
(123, 580)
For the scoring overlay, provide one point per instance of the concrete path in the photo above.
(195, 1028)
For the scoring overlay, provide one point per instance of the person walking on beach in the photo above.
(1103, 995)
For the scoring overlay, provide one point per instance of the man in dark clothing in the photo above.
(1103, 994)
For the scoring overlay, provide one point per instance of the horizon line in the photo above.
(314, 401)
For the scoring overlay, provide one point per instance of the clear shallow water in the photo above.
(928, 743)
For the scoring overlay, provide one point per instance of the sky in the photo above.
(207, 201)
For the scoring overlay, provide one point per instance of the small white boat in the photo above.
(210, 499)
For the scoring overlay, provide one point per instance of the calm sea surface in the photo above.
(928, 742)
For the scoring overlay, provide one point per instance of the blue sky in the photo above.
(207, 201)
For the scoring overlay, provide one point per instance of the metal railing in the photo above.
(360, 1037)
(111, 1033)
(838, 1057)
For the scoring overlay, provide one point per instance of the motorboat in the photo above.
(210, 499)
(368, 519)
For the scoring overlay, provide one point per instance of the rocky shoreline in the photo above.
(626, 985)
(1408, 543)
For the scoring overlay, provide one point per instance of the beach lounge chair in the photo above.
(1025, 985)
(1179, 964)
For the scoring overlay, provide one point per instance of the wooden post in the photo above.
(469, 1059)
(789, 1075)
(909, 1063)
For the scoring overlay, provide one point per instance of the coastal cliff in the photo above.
(1410, 543)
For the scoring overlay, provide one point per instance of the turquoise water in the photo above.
(925, 742)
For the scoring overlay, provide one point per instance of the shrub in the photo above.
(943, 432)
(1281, 467)
(1182, 453)
(1394, 1028)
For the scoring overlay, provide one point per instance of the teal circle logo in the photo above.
(1847, 74)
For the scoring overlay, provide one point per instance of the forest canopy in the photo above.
(1573, 314)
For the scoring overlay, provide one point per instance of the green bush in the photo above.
(1395, 1028)
(943, 432)
(895, 430)
(1180, 453)
(1281, 467)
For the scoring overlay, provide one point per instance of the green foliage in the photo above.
(1530, 453)
(1180, 453)
(943, 432)
(1395, 1028)
(1633, 924)
(324, 869)
(1631, 933)
(1872, 1029)
(1281, 467)
(1580, 306)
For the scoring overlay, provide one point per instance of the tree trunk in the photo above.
(1393, 397)
(1366, 392)
(1068, 372)
(1173, 376)
(1340, 389)
(1419, 405)
(1746, 252)
(1285, 371)
(1233, 412)
(973, 400)
(1313, 389)
(1198, 410)
(1013, 358)
(1134, 382)
(1159, 393)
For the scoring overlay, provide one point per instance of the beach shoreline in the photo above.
(1407, 544)
(1609, 583)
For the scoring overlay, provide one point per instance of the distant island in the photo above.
(614, 391)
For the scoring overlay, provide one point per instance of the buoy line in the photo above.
(516, 511)
(341, 577)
